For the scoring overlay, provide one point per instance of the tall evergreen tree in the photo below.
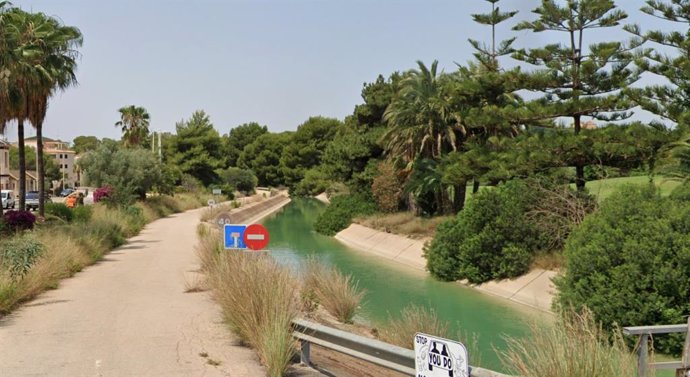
(579, 80)
(486, 92)
(669, 100)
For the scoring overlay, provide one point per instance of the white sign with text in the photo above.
(438, 357)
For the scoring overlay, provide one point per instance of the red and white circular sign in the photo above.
(256, 237)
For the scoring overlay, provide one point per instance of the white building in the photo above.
(64, 158)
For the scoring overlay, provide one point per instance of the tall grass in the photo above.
(69, 247)
(336, 292)
(576, 346)
(413, 319)
(258, 298)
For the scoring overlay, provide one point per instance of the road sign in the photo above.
(217, 191)
(223, 218)
(234, 236)
(438, 357)
(211, 202)
(256, 237)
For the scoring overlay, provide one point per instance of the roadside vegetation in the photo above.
(575, 346)
(34, 257)
(262, 317)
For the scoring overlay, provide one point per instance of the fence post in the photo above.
(642, 356)
(305, 349)
(685, 368)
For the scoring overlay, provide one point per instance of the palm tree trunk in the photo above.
(41, 169)
(22, 164)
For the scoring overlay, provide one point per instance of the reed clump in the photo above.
(575, 346)
(413, 319)
(336, 292)
(258, 298)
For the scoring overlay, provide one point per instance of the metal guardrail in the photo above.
(371, 350)
(644, 332)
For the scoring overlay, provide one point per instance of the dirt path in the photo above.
(128, 315)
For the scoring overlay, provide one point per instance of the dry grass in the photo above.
(71, 247)
(213, 212)
(403, 223)
(258, 298)
(576, 346)
(548, 260)
(336, 292)
(413, 319)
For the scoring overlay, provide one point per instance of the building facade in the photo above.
(65, 158)
(4, 165)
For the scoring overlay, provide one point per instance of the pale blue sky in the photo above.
(275, 62)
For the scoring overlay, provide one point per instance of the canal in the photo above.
(391, 287)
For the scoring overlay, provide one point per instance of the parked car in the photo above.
(32, 200)
(7, 199)
(64, 193)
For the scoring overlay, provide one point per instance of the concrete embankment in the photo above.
(254, 212)
(534, 289)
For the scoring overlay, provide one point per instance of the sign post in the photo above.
(438, 357)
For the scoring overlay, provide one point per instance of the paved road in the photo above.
(127, 316)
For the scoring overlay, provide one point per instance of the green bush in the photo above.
(492, 238)
(59, 210)
(20, 253)
(339, 214)
(82, 213)
(630, 263)
(314, 182)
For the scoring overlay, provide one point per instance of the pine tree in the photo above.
(486, 93)
(669, 101)
(578, 80)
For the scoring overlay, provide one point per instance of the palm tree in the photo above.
(17, 81)
(134, 121)
(40, 59)
(424, 123)
(55, 71)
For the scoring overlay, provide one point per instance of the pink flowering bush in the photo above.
(103, 193)
(18, 220)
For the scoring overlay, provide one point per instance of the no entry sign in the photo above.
(256, 237)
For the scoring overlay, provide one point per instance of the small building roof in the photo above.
(30, 173)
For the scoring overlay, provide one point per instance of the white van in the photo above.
(7, 199)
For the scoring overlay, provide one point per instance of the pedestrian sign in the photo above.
(438, 357)
(234, 236)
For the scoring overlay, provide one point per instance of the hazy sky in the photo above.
(275, 62)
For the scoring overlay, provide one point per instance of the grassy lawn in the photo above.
(605, 187)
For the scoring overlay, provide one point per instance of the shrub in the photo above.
(19, 220)
(630, 261)
(82, 213)
(339, 214)
(576, 346)
(59, 210)
(314, 182)
(387, 188)
(492, 238)
(19, 254)
(102, 193)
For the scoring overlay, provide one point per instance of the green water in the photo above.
(390, 287)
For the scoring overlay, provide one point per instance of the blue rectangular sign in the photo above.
(234, 236)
